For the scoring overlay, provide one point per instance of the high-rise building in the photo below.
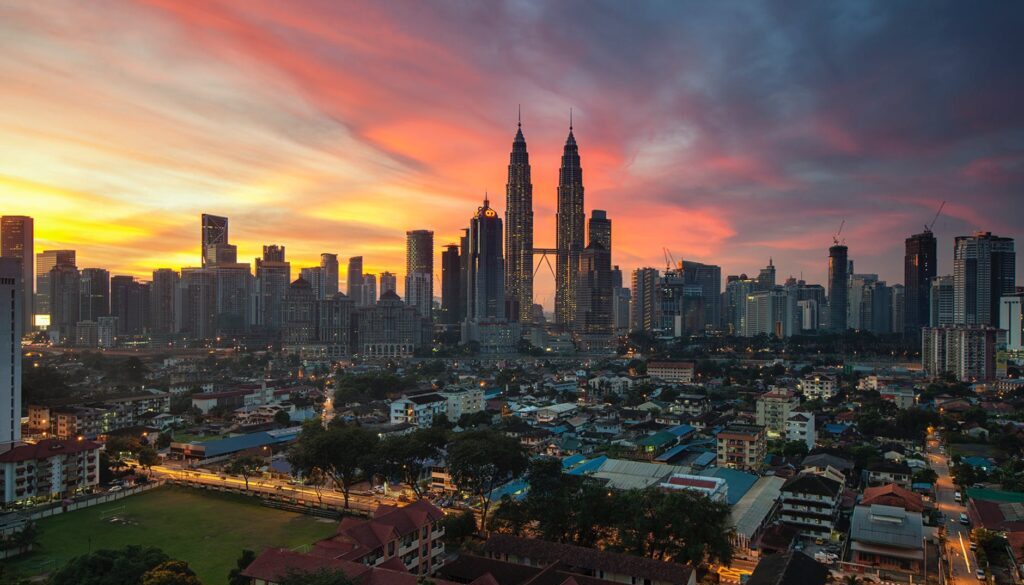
(369, 290)
(620, 303)
(12, 299)
(642, 313)
(298, 314)
(709, 278)
(388, 282)
(737, 292)
(766, 278)
(855, 298)
(594, 326)
(984, 269)
(95, 294)
(519, 229)
(335, 318)
(940, 301)
(234, 295)
(419, 271)
(1011, 319)
(129, 304)
(273, 276)
(45, 261)
(898, 293)
(968, 352)
(328, 276)
(63, 285)
(838, 302)
(680, 307)
(569, 235)
(485, 278)
(451, 284)
(198, 303)
(164, 302)
(876, 308)
(354, 280)
(313, 275)
(215, 246)
(390, 328)
(920, 265)
(769, 312)
(17, 240)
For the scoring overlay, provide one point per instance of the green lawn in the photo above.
(208, 530)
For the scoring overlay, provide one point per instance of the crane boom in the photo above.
(835, 238)
(929, 227)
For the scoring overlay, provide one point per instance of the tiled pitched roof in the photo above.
(46, 448)
(893, 495)
(791, 568)
(588, 559)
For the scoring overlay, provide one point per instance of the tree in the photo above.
(245, 466)
(148, 457)
(344, 453)
(458, 527)
(171, 573)
(235, 577)
(319, 577)
(481, 461)
(163, 440)
(407, 457)
(679, 526)
(125, 566)
(282, 418)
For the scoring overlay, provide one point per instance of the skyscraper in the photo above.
(766, 278)
(388, 282)
(593, 323)
(451, 281)
(215, 246)
(738, 290)
(920, 265)
(94, 301)
(940, 301)
(838, 273)
(569, 235)
(16, 241)
(164, 301)
(369, 290)
(486, 275)
(644, 296)
(273, 276)
(519, 228)
(64, 288)
(129, 304)
(419, 270)
(45, 261)
(329, 275)
(11, 320)
(354, 280)
(709, 278)
(984, 269)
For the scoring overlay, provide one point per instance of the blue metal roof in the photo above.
(218, 447)
(572, 461)
(704, 459)
(590, 466)
(682, 430)
(739, 482)
(674, 451)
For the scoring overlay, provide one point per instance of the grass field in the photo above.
(209, 530)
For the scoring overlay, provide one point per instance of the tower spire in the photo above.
(570, 118)
(519, 117)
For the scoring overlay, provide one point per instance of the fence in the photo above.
(293, 501)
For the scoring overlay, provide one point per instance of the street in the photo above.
(958, 553)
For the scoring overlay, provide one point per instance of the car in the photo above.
(980, 574)
(974, 545)
(115, 488)
(964, 519)
(959, 499)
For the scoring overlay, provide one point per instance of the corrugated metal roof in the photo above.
(751, 510)
(886, 525)
(739, 482)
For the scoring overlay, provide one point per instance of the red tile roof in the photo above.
(274, 563)
(46, 448)
(893, 495)
(357, 538)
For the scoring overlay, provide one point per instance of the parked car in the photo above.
(980, 574)
(964, 519)
(959, 499)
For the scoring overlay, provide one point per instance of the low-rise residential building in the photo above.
(887, 537)
(463, 401)
(92, 419)
(51, 468)
(800, 427)
(548, 414)
(818, 387)
(742, 447)
(810, 503)
(886, 472)
(773, 408)
(420, 410)
(901, 396)
(675, 372)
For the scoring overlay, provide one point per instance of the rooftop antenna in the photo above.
(928, 228)
(519, 117)
(570, 118)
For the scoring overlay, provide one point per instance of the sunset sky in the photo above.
(727, 132)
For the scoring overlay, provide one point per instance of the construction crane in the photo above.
(928, 228)
(670, 260)
(835, 238)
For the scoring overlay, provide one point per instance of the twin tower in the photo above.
(569, 237)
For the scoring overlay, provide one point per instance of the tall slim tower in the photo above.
(920, 265)
(329, 275)
(570, 227)
(984, 269)
(486, 277)
(451, 279)
(11, 319)
(419, 270)
(16, 241)
(519, 228)
(216, 249)
(355, 280)
(45, 262)
(838, 274)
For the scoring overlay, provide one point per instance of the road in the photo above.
(958, 553)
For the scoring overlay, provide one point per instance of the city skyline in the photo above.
(335, 145)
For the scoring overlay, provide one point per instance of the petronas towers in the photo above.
(569, 237)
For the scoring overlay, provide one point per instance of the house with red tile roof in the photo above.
(52, 468)
(893, 495)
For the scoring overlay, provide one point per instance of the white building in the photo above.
(810, 503)
(555, 412)
(773, 408)
(818, 386)
(901, 396)
(966, 351)
(50, 468)
(676, 372)
(1011, 318)
(11, 322)
(463, 401)
(800, 427)
(714, 488)
(419, 410)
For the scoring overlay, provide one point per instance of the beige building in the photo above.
(742, 447)
(773, 409)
